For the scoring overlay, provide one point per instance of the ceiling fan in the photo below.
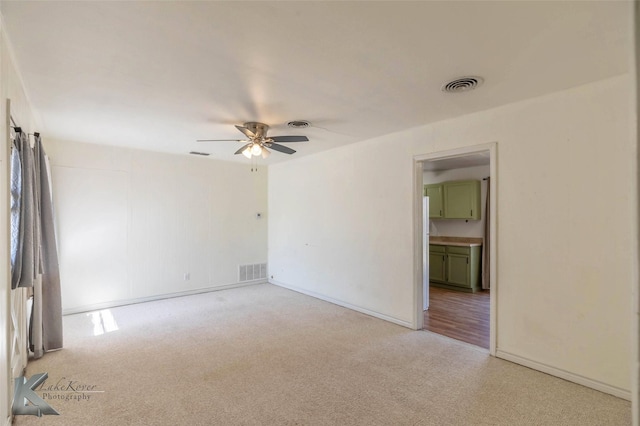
(259, 141)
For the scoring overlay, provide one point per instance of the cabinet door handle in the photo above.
(471, 213)
(444, 267)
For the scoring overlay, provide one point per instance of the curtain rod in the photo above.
(17, 128)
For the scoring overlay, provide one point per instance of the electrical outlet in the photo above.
(187, 276)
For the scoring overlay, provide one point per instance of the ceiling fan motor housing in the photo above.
(259, 129)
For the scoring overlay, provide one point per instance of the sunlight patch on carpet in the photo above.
(103, 322)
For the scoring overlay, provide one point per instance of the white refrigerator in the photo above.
(425, 253)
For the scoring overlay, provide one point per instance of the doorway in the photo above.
(446, 306)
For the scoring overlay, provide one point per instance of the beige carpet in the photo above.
(263, 355)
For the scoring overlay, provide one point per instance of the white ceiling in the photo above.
(158, 75)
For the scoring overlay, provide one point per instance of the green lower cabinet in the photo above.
(458, 270)
(454, 267)
(437, 266)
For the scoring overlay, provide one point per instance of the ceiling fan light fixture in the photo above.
(256, 149)
(247, 152)
(265, 152)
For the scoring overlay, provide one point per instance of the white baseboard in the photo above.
(403, 323)
(113, 304)
(566, 375)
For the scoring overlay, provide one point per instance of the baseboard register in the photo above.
(256, 271)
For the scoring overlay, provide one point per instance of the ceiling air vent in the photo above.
(299, 124)
(199, 153)
(462, 84)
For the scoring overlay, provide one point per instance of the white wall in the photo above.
(131, 223)
(10, 88)
(459, 227)
(341, 225)
(634, 19)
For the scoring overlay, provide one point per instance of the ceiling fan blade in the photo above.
(289, 138)
(242, 149)
(219, 140)
(248, 133)
(281, 148)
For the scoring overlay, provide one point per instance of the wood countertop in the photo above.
(456, 241)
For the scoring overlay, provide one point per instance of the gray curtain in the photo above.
(35, 264)
(26, 262)
(486, 248)
(16, 188)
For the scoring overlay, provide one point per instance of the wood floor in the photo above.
(461, 316)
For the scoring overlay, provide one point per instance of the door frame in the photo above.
(418, 274)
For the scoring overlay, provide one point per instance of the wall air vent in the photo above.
(462, 84)
(257, 271)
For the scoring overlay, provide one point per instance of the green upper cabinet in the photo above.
(436, 200)
(454, 200)
(462, 199)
